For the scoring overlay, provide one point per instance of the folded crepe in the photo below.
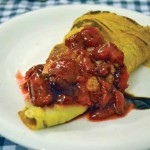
(121, 36)
(130, 37)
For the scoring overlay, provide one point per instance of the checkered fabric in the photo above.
(11, 8)
(8, 145)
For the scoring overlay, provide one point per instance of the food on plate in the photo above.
(87, 72)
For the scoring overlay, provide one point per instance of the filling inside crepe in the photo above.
(87, 73)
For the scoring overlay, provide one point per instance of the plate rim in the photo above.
(17, 18)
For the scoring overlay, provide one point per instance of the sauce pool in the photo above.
(21, 82)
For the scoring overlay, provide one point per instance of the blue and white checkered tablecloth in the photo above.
(12, 8)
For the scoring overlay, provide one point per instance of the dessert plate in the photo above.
(26, 41)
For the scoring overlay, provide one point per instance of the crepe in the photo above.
(130, 37)
(37, 118)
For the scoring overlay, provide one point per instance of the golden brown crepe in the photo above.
(130, 37)
(38, 118)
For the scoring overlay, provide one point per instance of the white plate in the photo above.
(27, 40)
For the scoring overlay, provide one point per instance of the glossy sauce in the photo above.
(90, 73)
(139, 102)
(22, 82)
(130, 106)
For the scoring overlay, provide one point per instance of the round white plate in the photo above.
(26, 41)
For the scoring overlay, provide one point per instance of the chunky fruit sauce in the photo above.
(91, 72)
